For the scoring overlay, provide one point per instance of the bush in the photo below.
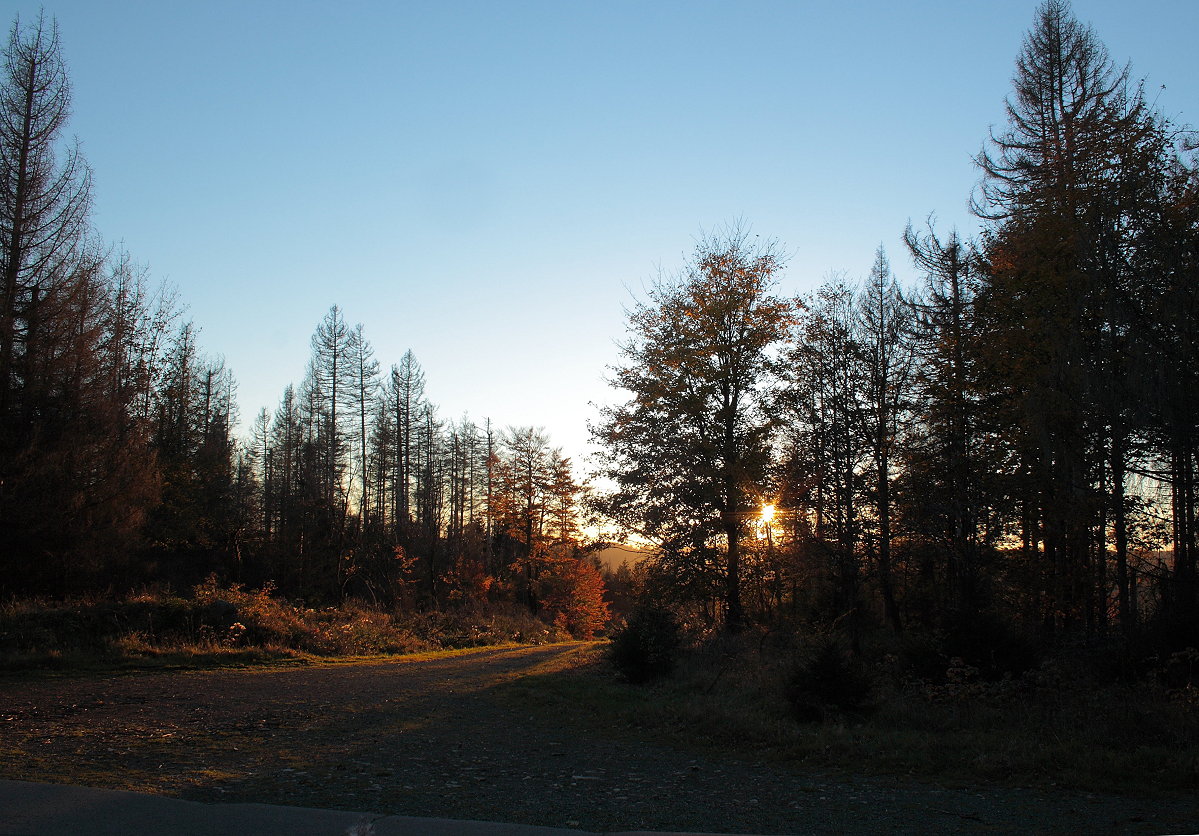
(991, 644)
(922, 656)
(829, 677)
(647, 646)
(218, 619)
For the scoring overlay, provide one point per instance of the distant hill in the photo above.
(613, 556)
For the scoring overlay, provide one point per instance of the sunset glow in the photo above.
(389, 388)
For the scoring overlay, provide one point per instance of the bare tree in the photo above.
(364, 380)
(405, 395)
(44, 203)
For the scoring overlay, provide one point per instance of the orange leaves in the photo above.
(573, 597)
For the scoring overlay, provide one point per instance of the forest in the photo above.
(120, 464)
(1006, 450)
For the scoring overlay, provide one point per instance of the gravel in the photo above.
(434, 737)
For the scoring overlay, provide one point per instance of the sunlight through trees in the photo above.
(1013, 441)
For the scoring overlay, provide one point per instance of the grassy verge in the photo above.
(218, 626)
(1044, 731)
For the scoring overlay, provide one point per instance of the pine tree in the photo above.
(948, 484)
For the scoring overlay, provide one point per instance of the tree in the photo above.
(1055, 191)
(688, 452)
(285, 490)
(258, 456)
(75, 475)
(364, 380)
(405, 395)
(138, 322)
(942, 462)
(197, 517)
(429, 495)
(331, 385)
(884, 322)
(1069, 106)
(44, 205)
(1172, 346)
(573, 596)
(826, 468)
(526, 473)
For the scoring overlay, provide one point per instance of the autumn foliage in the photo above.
(573, 597)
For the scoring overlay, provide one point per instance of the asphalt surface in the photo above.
(31, 809)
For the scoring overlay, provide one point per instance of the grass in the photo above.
(1044, 730)
(218, 627)
(1053, 726)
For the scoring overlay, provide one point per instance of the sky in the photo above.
(491, 185)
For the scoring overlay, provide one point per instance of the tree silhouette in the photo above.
(688, 452)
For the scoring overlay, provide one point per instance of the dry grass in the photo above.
(228, 625)
(1046, 729)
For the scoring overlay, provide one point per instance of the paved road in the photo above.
(29, 809)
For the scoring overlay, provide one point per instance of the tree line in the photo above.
(119, 461)
(355, 486)
(1014, 438)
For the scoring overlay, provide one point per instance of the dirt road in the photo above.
(437, 738)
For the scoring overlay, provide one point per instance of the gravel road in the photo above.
(434, 737)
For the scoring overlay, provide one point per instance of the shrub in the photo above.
(828, 677)
(218, 619)
(922, 657)
(647, 646)
(991, 644)
(573, 597)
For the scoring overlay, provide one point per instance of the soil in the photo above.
(444, 737)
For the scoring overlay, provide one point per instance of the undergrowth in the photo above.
(230, 624)
(647, 646)
(812, 701)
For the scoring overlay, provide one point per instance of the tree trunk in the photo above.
(734, 615)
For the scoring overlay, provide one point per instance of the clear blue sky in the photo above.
(486, 183)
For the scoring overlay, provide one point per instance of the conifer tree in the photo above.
(1054, 193)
